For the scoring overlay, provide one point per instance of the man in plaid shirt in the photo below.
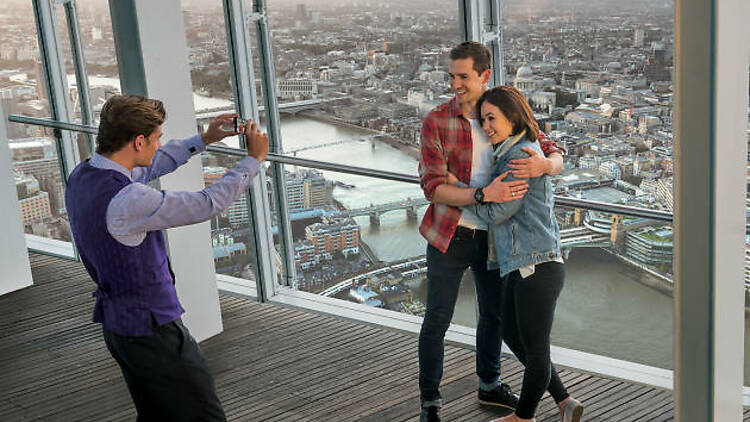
(455, 146)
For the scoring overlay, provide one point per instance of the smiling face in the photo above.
(494, 123)
(467, 84)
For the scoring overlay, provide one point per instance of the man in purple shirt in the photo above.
(116, 220)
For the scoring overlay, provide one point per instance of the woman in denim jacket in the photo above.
(525, 248)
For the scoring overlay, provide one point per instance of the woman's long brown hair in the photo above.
(515, 108)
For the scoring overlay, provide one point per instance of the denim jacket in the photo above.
(523, 232)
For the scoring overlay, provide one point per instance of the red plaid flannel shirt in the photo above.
(447, 147)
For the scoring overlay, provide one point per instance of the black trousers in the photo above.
(528, 312)
(166, 374)
(444, 272)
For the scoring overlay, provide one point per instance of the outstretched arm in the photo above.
(535, 165)
(175, 153)
(139, 208)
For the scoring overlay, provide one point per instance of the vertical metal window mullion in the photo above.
(493, 38)
(79, 63)
(53, 69)
(273, 122)
(470, 20)
(239, 46)
(484, 26)
(55, 79)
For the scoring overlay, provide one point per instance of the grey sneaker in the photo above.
(572, 411)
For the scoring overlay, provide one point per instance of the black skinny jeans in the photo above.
(444, 272)
(528, 311)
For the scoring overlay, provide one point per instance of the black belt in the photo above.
(465, 233)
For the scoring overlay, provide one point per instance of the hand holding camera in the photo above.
(222, 126)
(257, 142)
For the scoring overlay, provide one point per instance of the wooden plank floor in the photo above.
(270, 364)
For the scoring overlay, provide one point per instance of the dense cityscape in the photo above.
(599, 80)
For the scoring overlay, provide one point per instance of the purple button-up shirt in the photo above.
(138, 208)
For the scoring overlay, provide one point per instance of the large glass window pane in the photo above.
(22, 89)
(353, 94)
(208, 58)
(231, 237)
(95, 27)
(600, 83)
(356, 238)
(618, 295)
(379, 66)
(39, 186)
(69, 69)
(209, 62)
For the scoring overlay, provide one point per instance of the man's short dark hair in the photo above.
(124, 117)
(475, 50)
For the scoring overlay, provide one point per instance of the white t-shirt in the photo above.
(481, 172)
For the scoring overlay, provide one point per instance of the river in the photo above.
(603, 309)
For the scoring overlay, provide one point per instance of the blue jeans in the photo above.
(444, 272)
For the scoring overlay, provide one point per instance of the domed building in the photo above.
(525, 80)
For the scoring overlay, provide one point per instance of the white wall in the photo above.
(167, 78)
(14, 258)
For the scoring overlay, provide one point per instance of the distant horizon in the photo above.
(534, 7)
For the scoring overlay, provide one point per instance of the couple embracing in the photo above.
(485, 168)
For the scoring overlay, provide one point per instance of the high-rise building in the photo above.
(47, 173)
(639, 37)
(295, 192)
(34, 204)
(35, 207)
(650, 246)
(317, 193)
(237, 212)
(657, 68)
(32, 149)
(301, 12)
(332, 236)
(306, 189)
